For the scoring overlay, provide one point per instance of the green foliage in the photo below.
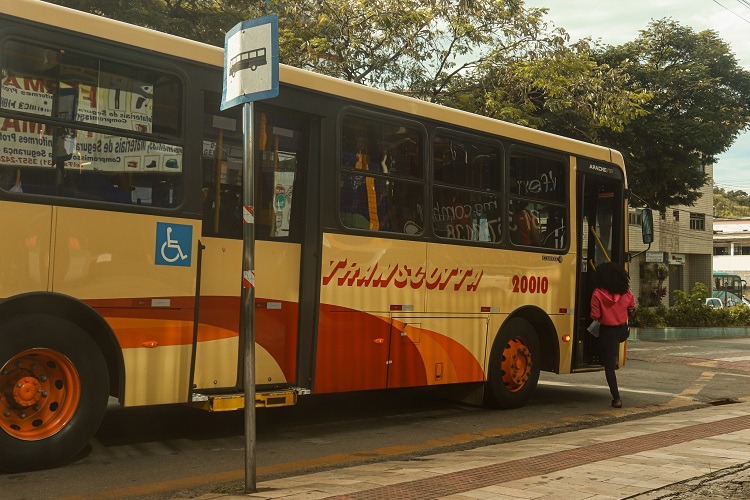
(653, 276)
(559, 88)
(700, 103)
(731, 204)
(408, 46)
(690, 310)
(740, 315)
(202, 20)
(376, 43)
(649, 316)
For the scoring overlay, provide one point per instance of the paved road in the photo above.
(149, 452)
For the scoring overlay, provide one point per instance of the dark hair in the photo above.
(612, 277)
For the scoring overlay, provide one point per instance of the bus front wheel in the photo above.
(514, 365)
(54, 388)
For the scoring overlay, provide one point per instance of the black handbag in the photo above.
(623, 333)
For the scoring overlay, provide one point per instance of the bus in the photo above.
(398, 243)
(729, 287)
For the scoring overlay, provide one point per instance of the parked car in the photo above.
(714, 302)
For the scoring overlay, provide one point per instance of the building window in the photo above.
(721, 250)
(635, 217)
(676, 215)
(698, 221)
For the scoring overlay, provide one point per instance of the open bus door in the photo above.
(282, 162)
(600, 239)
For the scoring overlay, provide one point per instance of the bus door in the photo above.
(600, 239)
(281, 163)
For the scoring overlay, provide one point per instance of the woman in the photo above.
(527, 227)
(611, 303)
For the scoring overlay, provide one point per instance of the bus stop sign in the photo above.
(251, 61)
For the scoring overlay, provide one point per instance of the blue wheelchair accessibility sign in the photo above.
(173, 244)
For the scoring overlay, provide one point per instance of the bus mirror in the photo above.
(647, 225)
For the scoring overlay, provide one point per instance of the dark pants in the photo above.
(609, 347)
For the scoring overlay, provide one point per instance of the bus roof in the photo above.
(174, 46)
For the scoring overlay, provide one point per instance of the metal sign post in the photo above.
(250, 75)
(247, 297)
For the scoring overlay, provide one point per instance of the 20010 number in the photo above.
(530, 284)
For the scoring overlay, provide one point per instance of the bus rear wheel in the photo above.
(514, 365)
(54, 388)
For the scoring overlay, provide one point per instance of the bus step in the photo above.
(230, 402)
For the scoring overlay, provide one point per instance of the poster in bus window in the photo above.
(27, 93)
(114, 101)
(282, 203)
(117, 102)
(27, 143)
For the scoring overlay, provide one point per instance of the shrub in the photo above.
(649, 316)
(690, 309)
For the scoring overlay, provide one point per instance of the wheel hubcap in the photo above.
(516, 364)
(27, 391)
(39, 393)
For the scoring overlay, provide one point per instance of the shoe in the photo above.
(617, 403)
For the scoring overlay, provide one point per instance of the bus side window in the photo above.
(466, 192)
(381, 174)
(537, 207)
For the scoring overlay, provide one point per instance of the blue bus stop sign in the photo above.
(251, 61)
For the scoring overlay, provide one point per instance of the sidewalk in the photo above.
(639, 458)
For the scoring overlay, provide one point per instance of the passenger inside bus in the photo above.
(526, 226)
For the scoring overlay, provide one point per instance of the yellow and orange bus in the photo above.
(399, 243)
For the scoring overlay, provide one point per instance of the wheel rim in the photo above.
(39, 393)
(516, 364)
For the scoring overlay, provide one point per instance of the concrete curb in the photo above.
(688, 333)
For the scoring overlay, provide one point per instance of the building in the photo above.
(732, 247)
(681, 253)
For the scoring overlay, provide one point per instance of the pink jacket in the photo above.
(611, 309)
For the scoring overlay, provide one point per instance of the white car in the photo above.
(714, 302)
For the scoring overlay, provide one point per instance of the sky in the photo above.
(615, 22)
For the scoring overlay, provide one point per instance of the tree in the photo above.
(729, 204)
(558, 88)
(201, 20)
(412, 47)
(494, 58)
(700, 104)
(409, 46)
(373, 42)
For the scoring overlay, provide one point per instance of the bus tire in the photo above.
(54, 388)
(514, 366)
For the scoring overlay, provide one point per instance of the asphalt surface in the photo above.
(732, 482)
